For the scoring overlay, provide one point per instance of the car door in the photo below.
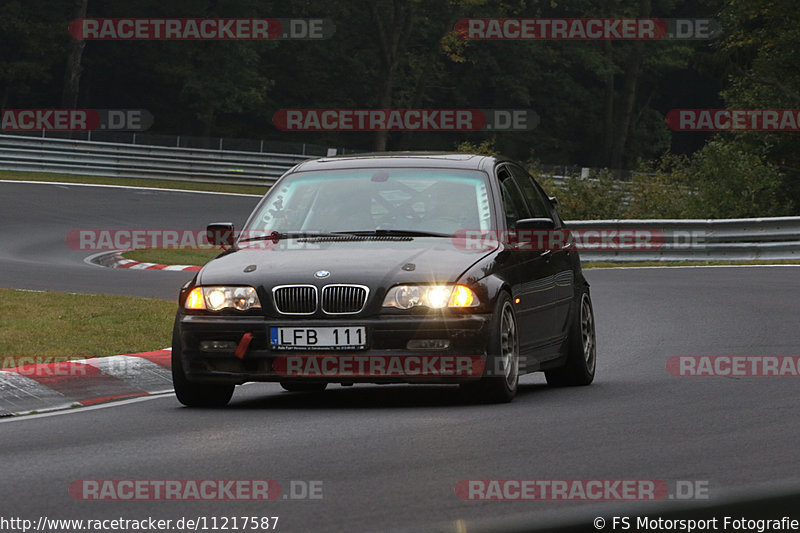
(558, 257)
(530, 277)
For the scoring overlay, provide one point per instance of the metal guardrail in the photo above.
(744, 239)
(92, 158)
(230, 144)
(667, 240)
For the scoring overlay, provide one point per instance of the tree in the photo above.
(72, 75)
(393, 32)
(759, 56)
(32, 33)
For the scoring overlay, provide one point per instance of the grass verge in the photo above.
(609, 264)
(173, 256)
(60, 324)
(131, 182)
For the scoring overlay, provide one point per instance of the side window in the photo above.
(540, 206)
(513, 202)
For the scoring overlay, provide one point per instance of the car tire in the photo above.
(293, 386)
(581, 362)
(502, 357)
(196, 394)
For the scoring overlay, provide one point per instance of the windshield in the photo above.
(438, 201)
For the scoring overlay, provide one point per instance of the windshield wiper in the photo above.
(276, 236)
(394, 233)
(279, 236)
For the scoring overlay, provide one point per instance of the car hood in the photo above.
(371, 263)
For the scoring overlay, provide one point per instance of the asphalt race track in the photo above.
(389, 457)
(36, 219)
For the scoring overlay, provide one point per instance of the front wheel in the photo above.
(501, 377)
(196, 394)
(581, 348)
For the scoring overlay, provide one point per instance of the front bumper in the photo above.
(387, 337)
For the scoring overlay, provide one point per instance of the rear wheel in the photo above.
(501, 377)
(196, 394)
(293, 386)
(581, 350)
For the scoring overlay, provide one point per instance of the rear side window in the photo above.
(540, 206)
(513, 203)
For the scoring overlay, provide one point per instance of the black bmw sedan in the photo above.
(389, 268)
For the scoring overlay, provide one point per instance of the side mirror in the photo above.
(535, 224)
(553, 201)
(529, 232)
(220, 234)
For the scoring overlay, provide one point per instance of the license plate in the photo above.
(326, 338)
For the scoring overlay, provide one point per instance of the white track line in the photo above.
(77, 410)
(132, 187)
(113, 403)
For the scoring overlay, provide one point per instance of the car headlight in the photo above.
(219, 298)
(434, 296)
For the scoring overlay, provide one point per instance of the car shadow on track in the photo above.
(372, 397)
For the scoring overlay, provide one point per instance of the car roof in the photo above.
(401, 159)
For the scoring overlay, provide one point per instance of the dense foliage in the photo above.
(601, 103)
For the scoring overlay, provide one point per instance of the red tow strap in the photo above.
(243, 345)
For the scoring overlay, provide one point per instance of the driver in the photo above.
(343, 208)
(450, 207)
